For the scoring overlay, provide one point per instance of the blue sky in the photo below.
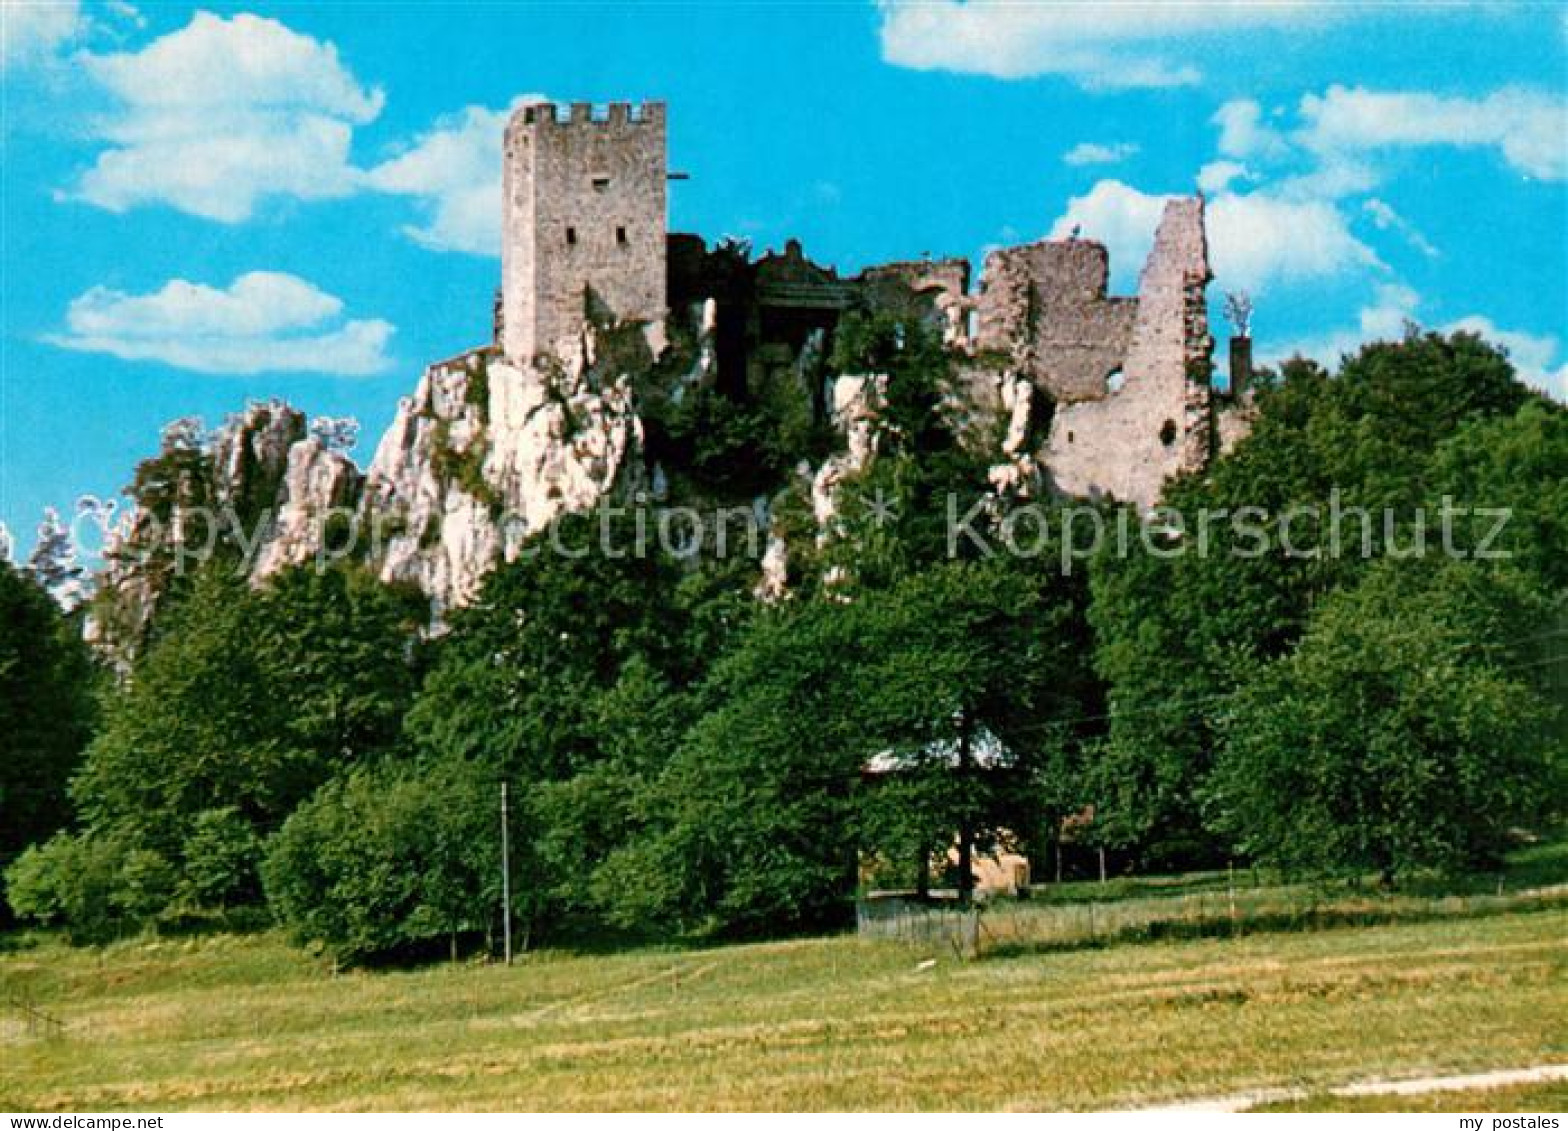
(204, 205)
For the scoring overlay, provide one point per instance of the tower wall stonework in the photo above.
(583, 223)
(1159, 423)
(1045, 306)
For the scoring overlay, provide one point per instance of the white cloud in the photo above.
(1386, 219)
(1336, 136)
(214, 117)
(1527, 127)
(1255, 239)
(1217, 176)
(1383, 319)
(223, 114)
(1016, 41)
(1111, 44)
(264, 321)
(1100, 46)
(455, 170)
(1119, 216)
(1537, 358)
(31, 31)
(1095, 153)
(1244, 133)
(127, 12)
(1260, 239)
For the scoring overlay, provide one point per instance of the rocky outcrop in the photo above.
(857, 401)
(559, 445)
(425, 512)
(319, 486)
(1019, 474)
(485, 453)
(259, 491)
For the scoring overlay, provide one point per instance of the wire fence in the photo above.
(1002, 926)
(22, 1019)
(943, 924)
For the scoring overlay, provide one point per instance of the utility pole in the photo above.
(506, 880)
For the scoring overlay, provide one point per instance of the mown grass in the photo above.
(1550, 1096)
(1230, 903)
(1537, 865)
(1022, 926)
(246, 1022)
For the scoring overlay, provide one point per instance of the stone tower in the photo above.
(1160, 422)
(582, 223)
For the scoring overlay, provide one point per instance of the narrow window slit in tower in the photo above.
(620, 236)
(571, 235)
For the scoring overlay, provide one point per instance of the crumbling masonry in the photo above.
(1110, 396)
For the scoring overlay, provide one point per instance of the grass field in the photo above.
(238, 1022)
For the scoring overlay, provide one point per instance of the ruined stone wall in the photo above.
(1159, 422)
(1233, 420)
(1044, 305)
(1104, 396)
(948, 276)
(937, 289)
(583, 219)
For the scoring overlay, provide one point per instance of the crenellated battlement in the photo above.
(548, 115)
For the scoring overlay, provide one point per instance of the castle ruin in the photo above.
(1103, 396)
(1109, 395)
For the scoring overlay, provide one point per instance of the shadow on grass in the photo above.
(1321, 917)
(17, 941)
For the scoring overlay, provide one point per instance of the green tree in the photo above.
(196, 727)
(1184, 620)
(1509, 478)
(978, 677)
(220, 857)
(53, 564)
(95, 885)
(340, 648)
(892, 516)
(750, 826)
(47, 711)
(890, 724)
(517, 678)
(1404, 733)
(390, 859)
(245, 703)
(567, 678)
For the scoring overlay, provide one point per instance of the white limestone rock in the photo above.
(425, 526)
(467, 470)
(557, 445)
(857, 404)
(318, 484)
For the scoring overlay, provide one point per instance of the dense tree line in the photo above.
(683, 757)
(46, 710)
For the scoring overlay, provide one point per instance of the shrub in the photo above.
(388, 859)
(221, 861)
(94, 885)
(1401, 735)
